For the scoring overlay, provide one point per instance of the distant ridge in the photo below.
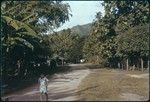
(81, 29)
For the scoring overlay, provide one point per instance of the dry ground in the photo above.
(83, 84)
(115, 85)
(61, 87)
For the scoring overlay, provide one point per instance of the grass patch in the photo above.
(107, 85)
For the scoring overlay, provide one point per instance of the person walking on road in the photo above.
(43, 83)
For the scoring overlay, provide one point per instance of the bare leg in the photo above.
(41, 99)
(46, 96)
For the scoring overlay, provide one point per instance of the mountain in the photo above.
(81, 29)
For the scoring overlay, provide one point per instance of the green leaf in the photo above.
(22, 41)
(18, 24)
(11, 22)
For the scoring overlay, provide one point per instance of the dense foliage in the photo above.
(122, 33)
(66, 45)
(25, 49)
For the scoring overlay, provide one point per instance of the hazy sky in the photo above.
(83, 12)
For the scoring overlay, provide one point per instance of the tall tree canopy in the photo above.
(40, 14)
(22, 25)
(65, 44)
(120, 33)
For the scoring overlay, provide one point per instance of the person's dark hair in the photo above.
(42, 75)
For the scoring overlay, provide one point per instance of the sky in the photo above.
(83, 12)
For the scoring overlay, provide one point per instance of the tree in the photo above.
(134, 43)
(120, 19)
(13, 36)
(42, 15)
(64, 45)
(21, 37)
(130, 15)
(127, 13)
(101, 39)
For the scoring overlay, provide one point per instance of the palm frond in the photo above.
(10, 22)
(18, 24)
(22, 34)
(14, 41)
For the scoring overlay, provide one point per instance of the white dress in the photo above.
(43, 84)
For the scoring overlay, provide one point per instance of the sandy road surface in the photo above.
(61, 87)
(65, 86)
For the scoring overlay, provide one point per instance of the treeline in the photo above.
(66, 45)
(120, 37)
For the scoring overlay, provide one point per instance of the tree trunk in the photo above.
(62, 62)
(133, 67)
(127, 64)
(119, 65)
(97, 60)
(122, 66)
(138, 64)
(142, 64)
(148, 64)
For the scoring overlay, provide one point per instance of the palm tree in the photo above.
(16, 34)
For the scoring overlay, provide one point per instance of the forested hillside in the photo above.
(81, 30)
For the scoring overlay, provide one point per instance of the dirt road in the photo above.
(90, 84)
(61, 87)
